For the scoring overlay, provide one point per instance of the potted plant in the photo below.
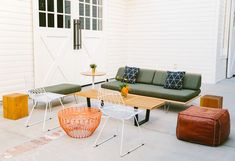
(93, 67)
(124, 89)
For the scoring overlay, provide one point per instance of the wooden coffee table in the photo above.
(137, 101)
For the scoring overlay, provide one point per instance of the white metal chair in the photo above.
(113, 106)
(39, 95)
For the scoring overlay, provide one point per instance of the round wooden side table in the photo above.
(93, 76)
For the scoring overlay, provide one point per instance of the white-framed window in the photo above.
(91, 14)
(54, 13)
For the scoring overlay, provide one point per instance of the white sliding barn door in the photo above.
(55, 60)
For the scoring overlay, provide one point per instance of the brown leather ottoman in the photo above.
(211, 101)
(207, 126)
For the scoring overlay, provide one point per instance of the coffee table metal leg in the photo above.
(137, 118)
(88, 100)
(142, 121)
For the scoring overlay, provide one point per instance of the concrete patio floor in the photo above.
(159, 137)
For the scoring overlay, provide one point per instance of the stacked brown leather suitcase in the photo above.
(207, 126)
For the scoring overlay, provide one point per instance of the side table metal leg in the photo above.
(93, 82)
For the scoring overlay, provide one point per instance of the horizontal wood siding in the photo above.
(173, 35)
(220, 64)
(16, 46)
(116, 35)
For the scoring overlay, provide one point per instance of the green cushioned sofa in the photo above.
(151, 83)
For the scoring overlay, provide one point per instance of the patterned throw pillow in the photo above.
(174, 80)
(130, 74)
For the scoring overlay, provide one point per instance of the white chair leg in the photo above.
(134, 148)
(50, 118)
(36, 104)
(45, 117)
(121, 146)
(30, 114)
(97, 144)
(61, 103)
(140, 132)
(75, 98)
(50, 110)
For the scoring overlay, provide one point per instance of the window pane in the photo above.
(50, 5)
(100, 2)
(88, 23)
(94, 24)
(60, 21)
(81, 9)
(60, 6)
(67, 21)
(42, 19)
(100, 12)
(81, 0)
(94, 1)
(94, 11)
(67, 7)
(42, 5)
(87, 1)
(100, 25)
(81, 22)
(87, 10)
(50, 20)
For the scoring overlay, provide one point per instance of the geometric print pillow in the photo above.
(174, 80)
(130, 74)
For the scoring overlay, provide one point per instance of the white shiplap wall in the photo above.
(160, 34)
(116, 35)
(220, 64)
(169, 34)
(231, 56)
(16, 45)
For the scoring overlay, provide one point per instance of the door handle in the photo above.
(77, 34)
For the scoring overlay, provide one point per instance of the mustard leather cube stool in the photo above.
(211, 101)
(15, 106)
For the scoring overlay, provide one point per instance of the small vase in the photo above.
(124, 91)
(93, 70)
